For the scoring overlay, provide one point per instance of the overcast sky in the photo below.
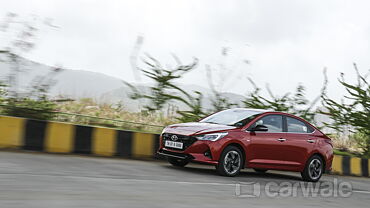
(285, 42)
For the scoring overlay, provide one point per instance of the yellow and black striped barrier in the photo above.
(56, 137)
(345, 165)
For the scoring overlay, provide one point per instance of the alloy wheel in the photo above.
(232, 162)
(315, 169)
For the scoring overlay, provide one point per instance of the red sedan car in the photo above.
(249, 138)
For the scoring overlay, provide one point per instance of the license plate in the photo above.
(172, 144)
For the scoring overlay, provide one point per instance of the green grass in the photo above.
(350, 154)
(342, 153)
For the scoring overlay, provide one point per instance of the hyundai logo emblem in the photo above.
(174, 138)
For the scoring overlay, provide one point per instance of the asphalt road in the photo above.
(46, 180)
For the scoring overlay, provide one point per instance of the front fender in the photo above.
(217, 147)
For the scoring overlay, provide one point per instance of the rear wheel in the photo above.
(260, 170)
(177, 162)
(230, 162)
(313, 170)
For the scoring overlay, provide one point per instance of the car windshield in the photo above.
(232, 117)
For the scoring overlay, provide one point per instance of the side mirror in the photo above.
(260, 128)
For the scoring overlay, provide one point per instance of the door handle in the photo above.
(310, 141)
(281, 140)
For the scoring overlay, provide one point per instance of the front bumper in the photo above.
(194, 150)
(166, 153)
(192, 157)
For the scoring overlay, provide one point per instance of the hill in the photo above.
(77, 84)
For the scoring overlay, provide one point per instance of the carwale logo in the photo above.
(294, 189)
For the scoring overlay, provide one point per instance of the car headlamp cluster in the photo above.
(211, 137)
(163, 131)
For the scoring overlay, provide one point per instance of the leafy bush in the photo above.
(165, 90)
(195, 113)
(16, 101)
(362, 140)
(2, 92)
(29, 108)
(296, 104)
(353, 111)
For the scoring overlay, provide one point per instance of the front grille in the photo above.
(186, 140)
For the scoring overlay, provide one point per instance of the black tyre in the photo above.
(230, 162)
(177, 162)
(260, 170)
(313, 170)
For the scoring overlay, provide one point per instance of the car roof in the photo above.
(253, 109)
(268, 111)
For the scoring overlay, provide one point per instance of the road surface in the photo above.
(47, 180)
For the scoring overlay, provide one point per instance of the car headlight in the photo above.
(211, 137)
(163, 131)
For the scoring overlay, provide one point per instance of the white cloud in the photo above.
(287, 42)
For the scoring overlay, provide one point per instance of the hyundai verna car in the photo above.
(249, 138)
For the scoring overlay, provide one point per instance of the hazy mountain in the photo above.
(72, 83)
(79, 84)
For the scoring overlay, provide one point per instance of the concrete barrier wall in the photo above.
(56, 137)
(344, 165)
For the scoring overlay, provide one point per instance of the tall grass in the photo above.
(112, 115)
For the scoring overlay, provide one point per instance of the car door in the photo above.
(299, 141)
(265, 146)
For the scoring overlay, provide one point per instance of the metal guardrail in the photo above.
(95, 121)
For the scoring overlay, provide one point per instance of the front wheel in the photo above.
(230, 162)
(177, 162)
(313, 170)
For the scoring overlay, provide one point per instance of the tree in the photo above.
(2, 92)
(218, 101)
(353, 110)
(195, 111)
(296, 103)
(32, 101)
(165, 90)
